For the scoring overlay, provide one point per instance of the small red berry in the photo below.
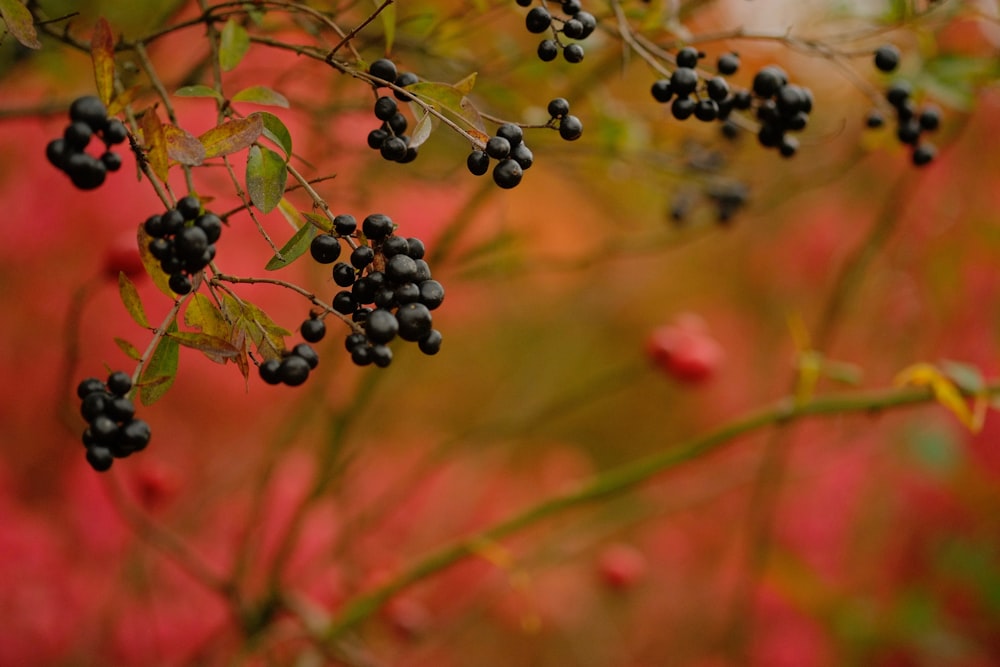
(684, 350)
(122, 255)
(621, 566)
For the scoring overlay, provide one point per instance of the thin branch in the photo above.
(620, 480)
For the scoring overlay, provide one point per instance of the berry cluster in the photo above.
(911, 122)
(112, 431)
(293, 367)
(779, 106)
(88, 117)
(183, 240)
(390, 138)
(387, 289)
(575, 25)
(570, 127)
(512, 154)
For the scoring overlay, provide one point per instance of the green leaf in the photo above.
(160, 371)
(128, 348)
(233, 136)
(233, 45)
(388, 17)
(19, 23)
(319, 221)
(953, 79)
(183, 147)
(102, 53)
(198, 90)
(294, 248)
(130, 297)
(160, 278)
(266, 177)
(215, 348)
(966, 376)
(261, 95)
(276, 131)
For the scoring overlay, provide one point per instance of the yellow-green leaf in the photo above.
(160, 278)
(155, 143)
(19, 23)
(182, 146)
(102, 53)
(198, 90)
(945, 391)
(233, 136)
(202, 314)
(128, 348)
(293, 249)
(233, 45)
(388, 17)
(319, 221)
(266, 177)
(261, 95)
(161, 369)
(130, 297)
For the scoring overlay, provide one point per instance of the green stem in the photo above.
(620, 480)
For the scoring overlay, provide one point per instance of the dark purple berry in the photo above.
(570, 128)
(478, 162)
(507, 173)
(384, 69)
(325, 248)
(313, 330)
(381, 326)
(538, 20)
(376, 227)
(887, 57)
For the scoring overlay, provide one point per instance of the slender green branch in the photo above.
(621, 480)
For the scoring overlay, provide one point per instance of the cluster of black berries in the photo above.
(390, 138)
(512, 154)
(911, 122)
(779, 106)
(387, 289)
(183, 240)
(576, 25)
(112, 431)
(293, 367)
(570, 127)
(88, 117)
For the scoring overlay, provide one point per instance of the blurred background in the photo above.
(643, 286)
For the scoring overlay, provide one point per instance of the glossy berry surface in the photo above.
(507, 173)
(570, 128)
(325, 249)
(313, 330)
(538, 20)
(478, 162)
(384, 69)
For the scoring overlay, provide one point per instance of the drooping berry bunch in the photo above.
(387, 289)
(512, 154)
(88, 118)
(293, 367)
(780, 107)
(183, 240)
(510, 151)
(112, 428)
(390, 139)
(911, 122)
(576, 24)
(570, 127)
